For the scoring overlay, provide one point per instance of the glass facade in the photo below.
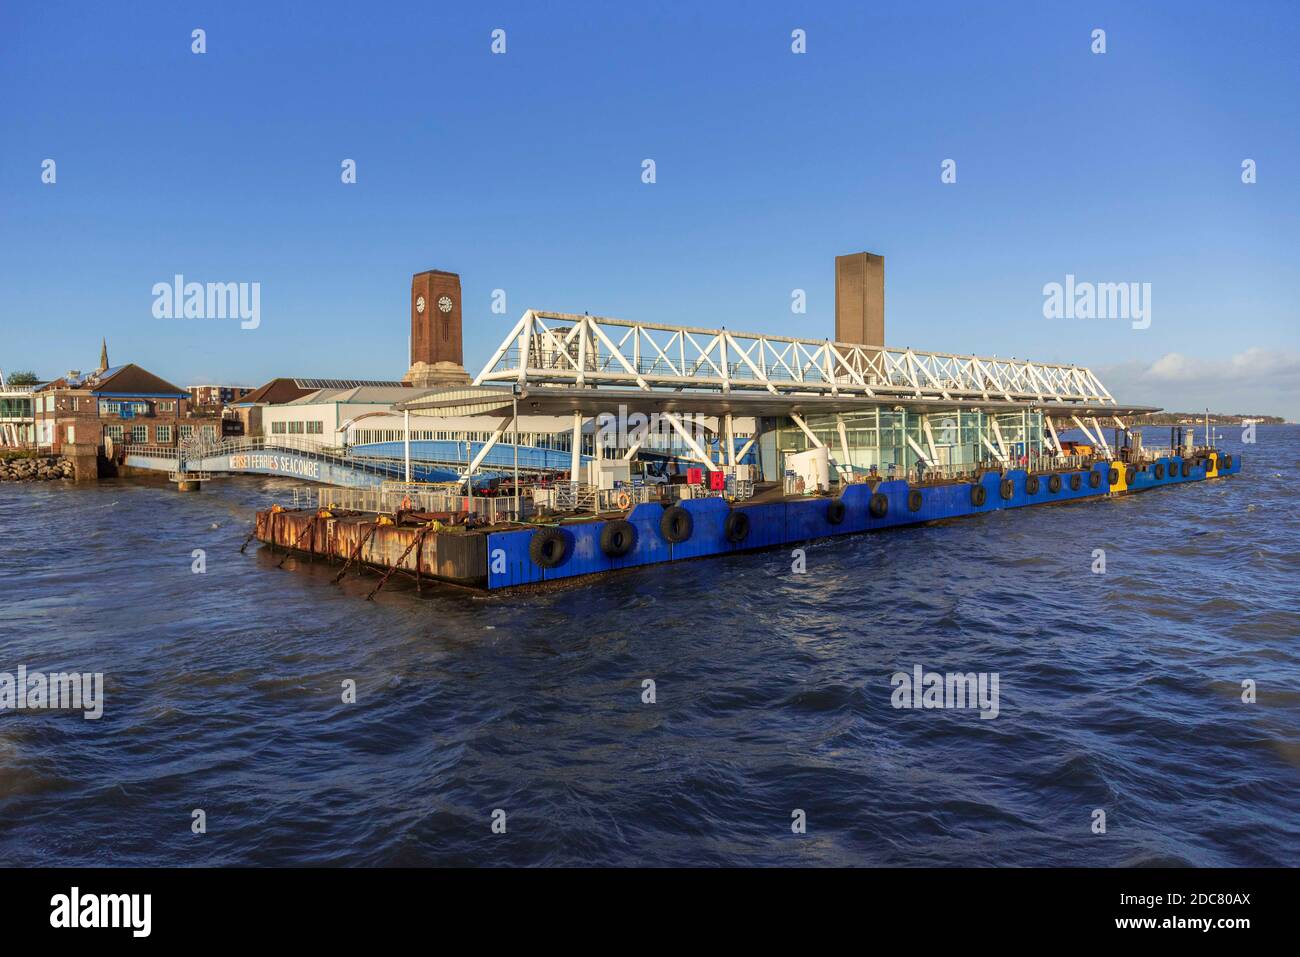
(893, 441)
(15, 407)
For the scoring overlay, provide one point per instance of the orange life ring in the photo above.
(406, 503)
(624, 501)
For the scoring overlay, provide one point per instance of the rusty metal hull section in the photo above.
(454, 556)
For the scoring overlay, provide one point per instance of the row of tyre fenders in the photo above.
(652, 533)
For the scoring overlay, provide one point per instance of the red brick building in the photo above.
(127, 404)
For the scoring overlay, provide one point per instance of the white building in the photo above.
(323, 415)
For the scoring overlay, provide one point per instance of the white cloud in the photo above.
(1256, 380)
(1253, 363)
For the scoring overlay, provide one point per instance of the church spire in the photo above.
(103, 355)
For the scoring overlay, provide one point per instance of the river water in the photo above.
(1119, 692)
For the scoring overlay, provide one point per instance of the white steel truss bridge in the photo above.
(563, 349)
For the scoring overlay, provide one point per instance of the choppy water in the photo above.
(1118, 691)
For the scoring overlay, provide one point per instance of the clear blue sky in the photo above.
(523, 172)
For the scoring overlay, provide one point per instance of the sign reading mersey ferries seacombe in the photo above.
(286, 464)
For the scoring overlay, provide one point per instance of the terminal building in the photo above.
(865, 409)
(652, 399)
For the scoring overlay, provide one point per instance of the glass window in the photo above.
(185, 432)
(209, 432)
(113, 432)
(162, 433)
(277, 428)
(139, 434)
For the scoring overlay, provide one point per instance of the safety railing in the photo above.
(390, 501)
(151, 451)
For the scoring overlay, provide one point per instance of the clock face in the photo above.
(444, 304)
(419, 304)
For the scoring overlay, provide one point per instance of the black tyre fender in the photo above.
(915, 500)
(736, 527)
(835, 511)
(978, 495)
(879, 506)
(1129, 475)
(1054, 483)
(1113, 476)
(1160, 471)
(676, 525)
(617, 538)
(1031, 485)
(1187, 468)
(1076, 481)
(548, 548)
(1094, 479)
(1007, 488)
(1227, 461)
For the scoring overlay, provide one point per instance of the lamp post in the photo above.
(406, 442)
(514, 426)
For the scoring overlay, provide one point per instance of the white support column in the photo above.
(731, 442)
(1004, 455)
(575, 458)
(844, 439)
(487, 447)
(1084, 429)
(1051, 428)
(689, 439)
(406, 441)
(1101, 434)
(929, 439)
(798, 420)
(920, 452)
(634, 449)
(996, 454)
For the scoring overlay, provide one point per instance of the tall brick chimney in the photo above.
(437, 356)
(860, 299)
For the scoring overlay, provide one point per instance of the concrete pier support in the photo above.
(85, 461)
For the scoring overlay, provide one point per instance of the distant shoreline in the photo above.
(1216, 418)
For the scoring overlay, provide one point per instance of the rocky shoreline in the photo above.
(42, 468)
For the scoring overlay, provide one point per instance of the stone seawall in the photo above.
(40, 468)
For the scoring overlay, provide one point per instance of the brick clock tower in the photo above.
(437, 356)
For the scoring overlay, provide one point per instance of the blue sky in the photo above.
(523, 172)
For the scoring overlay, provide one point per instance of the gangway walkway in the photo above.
(302, 459)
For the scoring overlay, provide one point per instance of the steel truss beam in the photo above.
(553, 348)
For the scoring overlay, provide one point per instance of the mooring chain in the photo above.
(356, 553)
(419, 537)
(311, 526)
